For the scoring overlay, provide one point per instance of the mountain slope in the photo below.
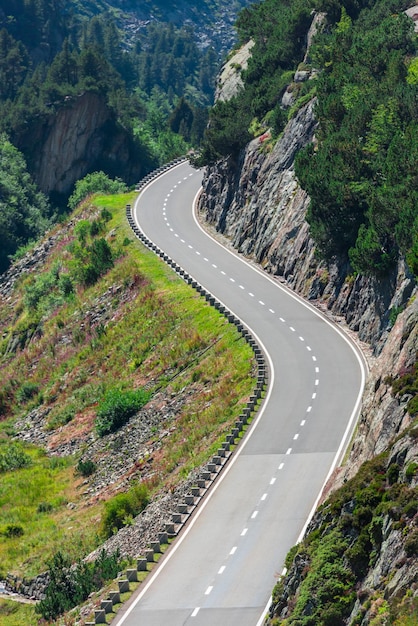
(358, 561)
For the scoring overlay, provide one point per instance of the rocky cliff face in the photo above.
(82, 137)
(259, 206)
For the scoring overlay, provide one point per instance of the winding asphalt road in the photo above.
(222, 568)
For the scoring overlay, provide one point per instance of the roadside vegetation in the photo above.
(345, 541)
(98, 331)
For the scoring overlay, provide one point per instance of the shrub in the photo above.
(393, 473)
(122, 508)
(14, 457)
(13, 530)
(411, 470)
(117, 407)
(27, 392)
(411, 543)
(86, 468)
(70, 586)
(93, 261)
(44, 507)
(65, 285)
(97, 182)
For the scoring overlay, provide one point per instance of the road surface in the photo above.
(222, 568)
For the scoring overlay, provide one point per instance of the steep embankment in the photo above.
(255, 200)
(89, 318)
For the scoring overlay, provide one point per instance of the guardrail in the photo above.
(218, 461)
(212, 469)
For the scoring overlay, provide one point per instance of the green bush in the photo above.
(27, 392)
(97, 182)
(86, 468)
(122, 508)
(44, 507)
(411, 470)
(70, 585)
(91, 261)
(411, 543)
(13, 458)
(393, 473)
(117, 407)
(13, 530)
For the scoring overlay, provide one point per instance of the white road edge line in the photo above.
(217, 483)
(344, 441)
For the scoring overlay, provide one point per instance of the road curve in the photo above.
(222, 568)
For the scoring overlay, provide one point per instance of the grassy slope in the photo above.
(155, 331)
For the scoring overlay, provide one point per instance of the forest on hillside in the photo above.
(154, 76)
(361, 173)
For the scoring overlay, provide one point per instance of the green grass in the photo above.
(16, 614)
(24, 494)
(157, 333)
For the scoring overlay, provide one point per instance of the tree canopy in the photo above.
(24, 211)
(361, 177)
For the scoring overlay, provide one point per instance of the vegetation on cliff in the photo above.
(353, 532)
(360, 174)
(278, 29)
(24, 211)
(156, 79)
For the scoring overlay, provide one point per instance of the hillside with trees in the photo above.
(152, 72)
(316, 183)
(360, 174)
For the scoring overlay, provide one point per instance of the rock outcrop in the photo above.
(259, 205)
(230, 81)
(82, 137)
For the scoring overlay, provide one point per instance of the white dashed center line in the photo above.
(308, 410)
(196, 611)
